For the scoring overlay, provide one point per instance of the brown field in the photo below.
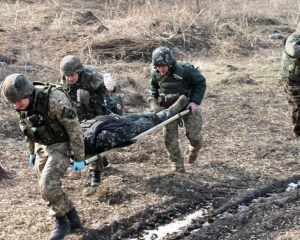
(249, 153)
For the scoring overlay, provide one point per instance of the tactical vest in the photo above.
(171, 86)
(96, 106)
(36, 124)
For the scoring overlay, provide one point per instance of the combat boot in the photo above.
(105, 162)
(154, 105)
(192, 157)
(62, 227)
(178, 167)
(177, 164)
(73, 219)
(95, 181)
(179, 105)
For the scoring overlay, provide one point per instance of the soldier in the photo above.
(86, 86)
(105, 132)
(290, 71)
(169, 80)
(52, 132)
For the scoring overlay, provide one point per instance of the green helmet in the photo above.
(70, 65)
(162, 56)
(15, 87)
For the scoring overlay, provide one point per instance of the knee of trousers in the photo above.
(51, 188)
(51, 194)
(195, 142)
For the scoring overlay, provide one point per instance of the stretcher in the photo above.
(99, 156)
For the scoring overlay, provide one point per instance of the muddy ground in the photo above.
(241, 178)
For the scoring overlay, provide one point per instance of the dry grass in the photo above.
(228, 39)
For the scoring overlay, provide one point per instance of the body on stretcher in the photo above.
(99, 156)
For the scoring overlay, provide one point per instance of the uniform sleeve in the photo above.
(30, 145)
(197, 84)
(154, 86)
(60, 108)
(96, 80)
(292, 45)
(97, 83)
(117, 88)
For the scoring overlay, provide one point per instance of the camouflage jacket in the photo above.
(51, 119)
(182, 78)
(90, 79)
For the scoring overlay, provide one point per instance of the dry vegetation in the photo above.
(248, 152)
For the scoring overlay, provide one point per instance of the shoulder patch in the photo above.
(68, 113)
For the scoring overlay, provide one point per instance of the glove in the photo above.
(77, 166)
(31, 160)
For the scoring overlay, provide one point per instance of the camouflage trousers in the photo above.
(51, 164)
(292, 90)
(193, 126)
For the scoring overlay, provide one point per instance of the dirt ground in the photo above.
(248, 158)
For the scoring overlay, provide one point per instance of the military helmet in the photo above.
(70, 65)
(16, 87)
(162, 56)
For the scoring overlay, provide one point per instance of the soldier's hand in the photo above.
(193, 106)
(110, 85)
(31, 160)
(77, 166)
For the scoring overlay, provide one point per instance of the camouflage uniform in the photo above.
(182, 78)
(91, 80)
(290, 71)
(105, 132)
(52, 131)
(52, 161)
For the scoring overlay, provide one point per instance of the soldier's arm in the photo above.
(154, 84)
(97, 81)
(30, 145)
(197, 84)
(60, 108)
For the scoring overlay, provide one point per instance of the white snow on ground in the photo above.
(176, 226)
(170, 228)
(292, 186)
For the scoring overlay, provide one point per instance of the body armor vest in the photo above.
(96, 105)
(171, 86)
(36, 124)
